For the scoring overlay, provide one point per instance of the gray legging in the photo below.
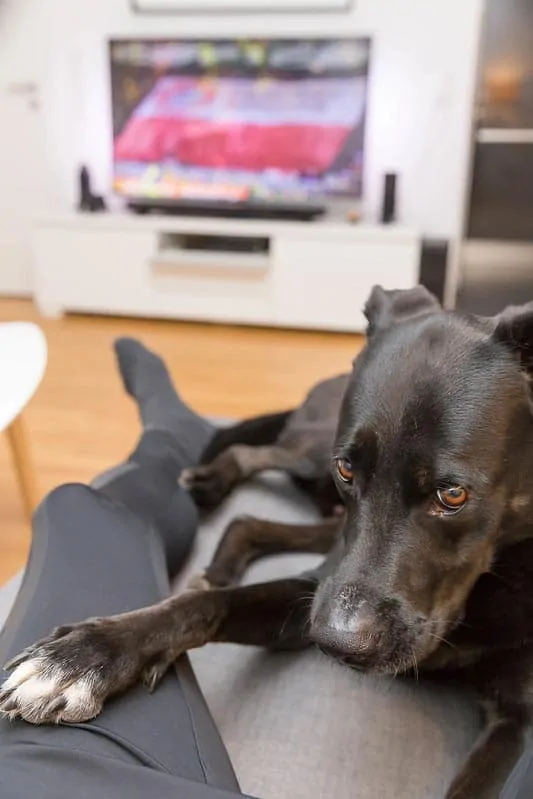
(99, 552)
(105, 551)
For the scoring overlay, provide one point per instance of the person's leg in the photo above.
(173, 437)
(104, 550)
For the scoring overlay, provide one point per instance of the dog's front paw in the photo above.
(68, 676)
(206, 484)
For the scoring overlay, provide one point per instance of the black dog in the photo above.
(430, 567)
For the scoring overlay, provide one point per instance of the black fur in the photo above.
(257, 432)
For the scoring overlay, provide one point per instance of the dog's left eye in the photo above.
(452, 498)
(345, 469)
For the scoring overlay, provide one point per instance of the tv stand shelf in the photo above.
(314, 275)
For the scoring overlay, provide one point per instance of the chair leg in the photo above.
(18, 443)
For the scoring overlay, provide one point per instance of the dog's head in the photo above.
(434, 460)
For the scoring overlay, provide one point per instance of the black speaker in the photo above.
(88, 202)
(388, 210)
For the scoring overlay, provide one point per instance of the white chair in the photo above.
(23, 357)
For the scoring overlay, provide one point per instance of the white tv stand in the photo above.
(304, 274)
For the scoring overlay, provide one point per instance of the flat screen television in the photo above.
(239, 122)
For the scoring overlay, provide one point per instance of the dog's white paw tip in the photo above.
(199, 583)
(21, 674)
(42, 693)
(185, 478)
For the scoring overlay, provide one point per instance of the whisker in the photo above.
(454, 623)
(298, 601)
(304, 598)
(443, 640)
(306, 627)
(415, 663)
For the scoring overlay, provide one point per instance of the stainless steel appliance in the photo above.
(497, 254)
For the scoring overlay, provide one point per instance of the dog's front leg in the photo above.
(69, 675)
(494, 755)
(248, 539)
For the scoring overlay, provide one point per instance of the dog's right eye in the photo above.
(345, 470)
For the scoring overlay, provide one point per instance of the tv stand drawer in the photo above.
(308, 275)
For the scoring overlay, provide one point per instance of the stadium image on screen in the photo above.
(235, 120)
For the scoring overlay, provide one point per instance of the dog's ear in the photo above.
(514, 328)
(386, 308)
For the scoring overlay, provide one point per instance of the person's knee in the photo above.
(72, 500)
(75, 510)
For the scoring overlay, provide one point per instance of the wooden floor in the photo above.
(81, 422)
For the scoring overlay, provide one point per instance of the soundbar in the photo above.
(301, 212)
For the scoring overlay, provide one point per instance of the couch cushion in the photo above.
(298, 725)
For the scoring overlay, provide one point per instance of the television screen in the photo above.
(239, 120)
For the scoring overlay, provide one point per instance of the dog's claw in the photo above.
(55, 707)
(18, 659)
(8, 706)
(152, 675)
(5, 695)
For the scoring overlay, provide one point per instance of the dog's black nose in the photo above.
(347, 637)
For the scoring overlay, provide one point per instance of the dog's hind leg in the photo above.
(247, 539)
(260, 431)
(68, 676)
(210, 484)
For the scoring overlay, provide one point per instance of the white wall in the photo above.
(422, 86)
(23, 174)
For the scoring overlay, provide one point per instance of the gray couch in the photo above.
(298, 725)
